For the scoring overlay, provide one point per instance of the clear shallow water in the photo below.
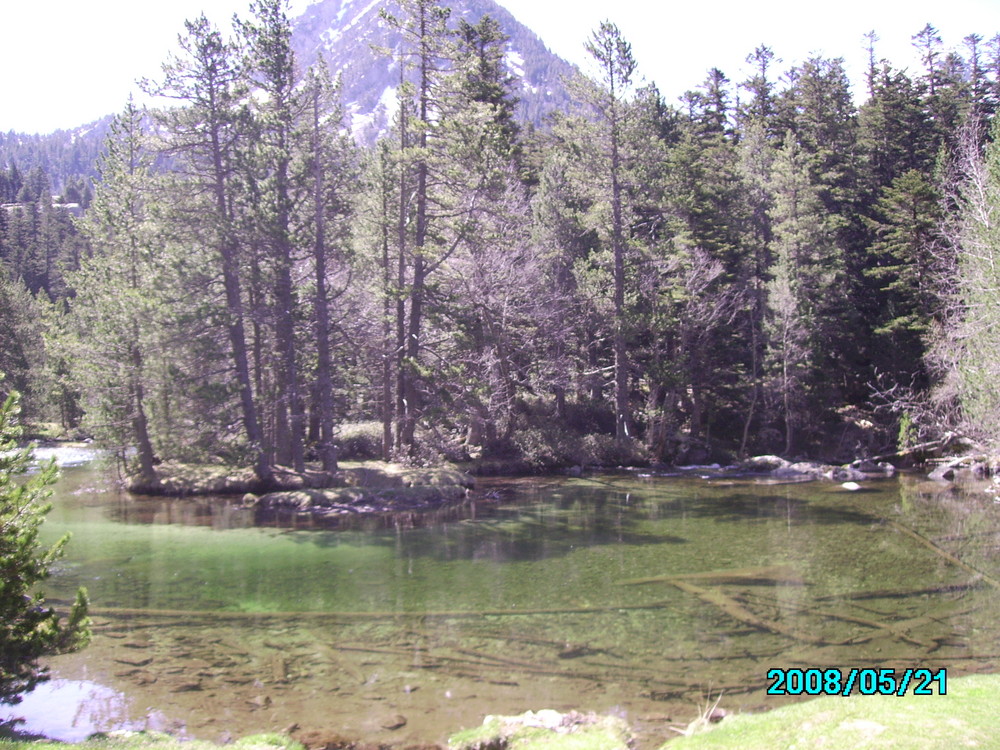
(210, 624)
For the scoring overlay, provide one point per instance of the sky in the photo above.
(69, 62)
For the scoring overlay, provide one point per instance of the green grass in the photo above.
(964, 718)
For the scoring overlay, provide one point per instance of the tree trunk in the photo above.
(237, 340)
(623, 418)
(417, 290)
(140, 425)
(387, 340)
(228, 251)
(324, 366)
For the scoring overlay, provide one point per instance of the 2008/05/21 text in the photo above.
(864, 681)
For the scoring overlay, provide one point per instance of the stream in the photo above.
(638, 595)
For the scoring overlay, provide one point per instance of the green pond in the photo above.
(400, 630)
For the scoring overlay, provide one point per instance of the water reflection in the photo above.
(65, 455)
(70, 710)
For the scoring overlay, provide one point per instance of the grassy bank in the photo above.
(965, 717)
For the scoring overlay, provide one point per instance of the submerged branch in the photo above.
(945, 554)
(229, 615)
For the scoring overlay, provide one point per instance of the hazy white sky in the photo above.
(67, 62)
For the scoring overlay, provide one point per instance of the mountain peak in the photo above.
(346, 34)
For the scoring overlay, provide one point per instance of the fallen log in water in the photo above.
(738, 612)
(901, 593)
(900, 629)
(194, 614)
(893, 629)
(765, 575)
(945, 554)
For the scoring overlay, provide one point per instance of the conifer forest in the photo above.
(771, 265)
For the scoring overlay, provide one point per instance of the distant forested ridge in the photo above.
(765, 266)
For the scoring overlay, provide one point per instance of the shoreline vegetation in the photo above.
(962, 717)
(364, 484)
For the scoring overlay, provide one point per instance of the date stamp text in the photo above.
(862, 681)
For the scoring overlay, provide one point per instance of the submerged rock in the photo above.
(873, 468)
(393, 722)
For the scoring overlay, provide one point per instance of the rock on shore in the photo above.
(371, 486)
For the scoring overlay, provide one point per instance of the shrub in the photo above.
(359, 441)
(28, 629)
(605, 450)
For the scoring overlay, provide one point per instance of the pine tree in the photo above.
(327, 175)
(22, 357)
(613, 56)
(207, 80)
(565, 234)
(483, 78)
(271, 62)
(904, 262)
(28, 629)
(806, 297)
(761, 107)
(894, 131)
(756, 155)
(423, 48)
(115, 307)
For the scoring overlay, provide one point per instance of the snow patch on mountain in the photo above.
(365, 124)
(333, 34)
(515, 62)
(350, 37)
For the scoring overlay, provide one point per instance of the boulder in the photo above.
(846, 474)
(943, 473)
(546, 729)
(872, 468)
(764, 464)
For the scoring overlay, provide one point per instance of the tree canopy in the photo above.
(747, 270)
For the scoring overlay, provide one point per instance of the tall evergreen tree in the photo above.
(115, 305)
(206, 79)
(328, 173)
(424, 48)
(271, 65)
(613, 56)
(806, 297)
(904, 264)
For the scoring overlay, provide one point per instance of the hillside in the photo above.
(347, 33)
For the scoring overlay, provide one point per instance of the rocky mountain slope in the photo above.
(347, 33)
(344, 33)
